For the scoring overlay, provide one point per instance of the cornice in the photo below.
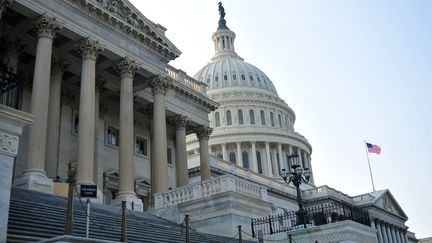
(194, 96)
(141, 34)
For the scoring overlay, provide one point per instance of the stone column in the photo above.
(384, 233)
(11, 123)
(389, 237)
(159, 85)
(290, 152)
(405, 235)
(180, 122)
(281, 163)
(53, 132)
(379, 232)
(203, 134)
(397, 233)
(239, 155)
(268, 159)
(254, 163)
(34, 177)
(126, 68)
(100, 83)
(224, 152)
(89, 50)
(4, 4)
(392, 231)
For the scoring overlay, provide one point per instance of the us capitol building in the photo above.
(86, 85)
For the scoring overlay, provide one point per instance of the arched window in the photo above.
(262, 114)
(252, 117)
(228, 118)
(232, 158)
(280, 120)
(208, 80)
(259, 164)
(217, 119)
(219, 156)
(243, 77)
(216, 78)
(286, 123)
(272, 119)
(278, 162)
(245, 157)
(225, 77)
(240, 117)
(234, 77)
(250, 77)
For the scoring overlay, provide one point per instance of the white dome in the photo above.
(228, 71)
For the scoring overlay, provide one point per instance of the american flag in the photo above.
(372, 148)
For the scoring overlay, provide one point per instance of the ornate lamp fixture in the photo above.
(297, 175)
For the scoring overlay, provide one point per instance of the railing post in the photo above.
(270, 224)
(123, 237)
(240, 234)
(69, 216)
(88, 218)
(187, 228)
(252, 228)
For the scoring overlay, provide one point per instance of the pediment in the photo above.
(387, 202)
(136, 23)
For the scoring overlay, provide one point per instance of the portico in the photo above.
(130, 54)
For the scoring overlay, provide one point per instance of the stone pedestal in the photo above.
(132, 202)
(11, 123)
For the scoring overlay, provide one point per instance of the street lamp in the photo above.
(297, 175)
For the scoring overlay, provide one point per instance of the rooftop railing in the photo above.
(181, 76)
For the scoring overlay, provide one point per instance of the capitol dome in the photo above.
(253, 128)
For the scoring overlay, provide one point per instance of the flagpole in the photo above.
(370, 170)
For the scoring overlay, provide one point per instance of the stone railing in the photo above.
(326, 191)
(181, 76)
(226, 183)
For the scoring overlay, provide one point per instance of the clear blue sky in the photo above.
(351, 70)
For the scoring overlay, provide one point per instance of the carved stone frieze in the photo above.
(89, 48)
(8, 143)
(159, 84)
(179, 121)
(4, 4)
(127, 66)
(203, 132)
(46, 26)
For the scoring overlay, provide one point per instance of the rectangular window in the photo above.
(112, 136)
(141, 146)
(169, 156)
(75, 122)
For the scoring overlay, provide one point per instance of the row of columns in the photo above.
(388, 233)
(45, 105)
(271, 168)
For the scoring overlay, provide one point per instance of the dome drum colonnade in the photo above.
(253, 126)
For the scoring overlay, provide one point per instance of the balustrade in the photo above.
(181, 77)
(215, 186)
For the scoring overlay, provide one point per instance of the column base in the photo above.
(35, 180)
(132, 202)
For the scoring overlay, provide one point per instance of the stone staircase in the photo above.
(35, 216)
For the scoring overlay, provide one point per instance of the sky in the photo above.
(352, 70)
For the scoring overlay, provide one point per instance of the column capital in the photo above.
(159, 84)
(203, 132)
(89, 48)
(179, 121)
(253, 142)
(4, 4)
(46, 26)
(127, 66)
(58, 65)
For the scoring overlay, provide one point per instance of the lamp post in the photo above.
(297, 175)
